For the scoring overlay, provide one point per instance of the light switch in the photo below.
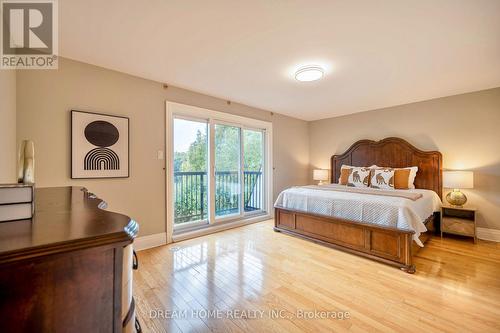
(160, 154)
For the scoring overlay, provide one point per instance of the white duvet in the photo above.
(401, 213)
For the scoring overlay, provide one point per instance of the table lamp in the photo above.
(321, 175)
(457, 180)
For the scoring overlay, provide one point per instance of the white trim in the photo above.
(150, 241)
(219, 227)
(488, 234)
(211, 169)
(175, 109)
(195, 112)
(169, 167)
(241, 175)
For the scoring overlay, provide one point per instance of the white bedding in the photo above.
(388, 211)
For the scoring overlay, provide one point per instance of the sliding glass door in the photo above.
(190, 171)
(218, 170)
(227, 170)
(239, 171)
(253, 174)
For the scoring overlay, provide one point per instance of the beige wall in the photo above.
(464, 128)
(7, 126)
(45, 97)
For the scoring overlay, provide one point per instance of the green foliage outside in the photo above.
(227, 151)
(191, 190)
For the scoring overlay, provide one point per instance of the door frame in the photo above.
(185, 111)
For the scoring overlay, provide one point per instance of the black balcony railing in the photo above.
(191, 194)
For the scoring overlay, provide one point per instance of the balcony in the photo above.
(191, 194)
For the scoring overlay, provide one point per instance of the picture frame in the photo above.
(100, 145)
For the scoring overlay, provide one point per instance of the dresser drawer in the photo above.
(458, 226)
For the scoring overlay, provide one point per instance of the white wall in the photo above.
(8, 126)
(464, 128)
(44, 101)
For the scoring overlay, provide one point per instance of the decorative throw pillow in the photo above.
(359, 177)
(411, 177)
(401, 179)
(345, 171)
(344, 175)
(382, 179)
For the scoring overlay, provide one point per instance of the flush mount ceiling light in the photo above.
(309, 73)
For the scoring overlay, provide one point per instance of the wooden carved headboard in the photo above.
(396, 153)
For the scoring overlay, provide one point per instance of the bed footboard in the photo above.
(384, 244)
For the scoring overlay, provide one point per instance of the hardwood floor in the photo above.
(456, 287)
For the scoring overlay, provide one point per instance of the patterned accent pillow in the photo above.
(345, 171)
(399, 182)
(382, 179)
(359, 177)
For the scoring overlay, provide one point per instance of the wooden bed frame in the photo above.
(385, 244)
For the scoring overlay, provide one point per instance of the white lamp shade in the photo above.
(458, 179)
(320, 174)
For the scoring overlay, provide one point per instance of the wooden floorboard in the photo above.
(456, 287)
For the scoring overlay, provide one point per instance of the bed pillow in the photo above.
(344, 175)
(345, 171)
(413, 174)
(400, 173)
(382, 178)
(359, 177)
(402, 179)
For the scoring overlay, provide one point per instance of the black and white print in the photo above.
(99, 145)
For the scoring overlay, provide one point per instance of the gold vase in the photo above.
(456, 198)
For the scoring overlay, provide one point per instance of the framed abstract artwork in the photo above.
(99, 145)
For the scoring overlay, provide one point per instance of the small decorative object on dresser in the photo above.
(26, 162)
(459, 221)
(321, 175)
(457, 180)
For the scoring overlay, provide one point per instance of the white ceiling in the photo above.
(376, 53)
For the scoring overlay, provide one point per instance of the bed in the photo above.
(386, 227)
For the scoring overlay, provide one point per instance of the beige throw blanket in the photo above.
(389, 193)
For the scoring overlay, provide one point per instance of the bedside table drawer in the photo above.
(458, 226)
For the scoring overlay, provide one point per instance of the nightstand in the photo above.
(459, 221)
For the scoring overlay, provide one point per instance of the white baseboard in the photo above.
(488, 234)
(149, 241)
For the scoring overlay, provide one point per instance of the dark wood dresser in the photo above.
(69, 268)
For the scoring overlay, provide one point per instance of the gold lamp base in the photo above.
(456, 198)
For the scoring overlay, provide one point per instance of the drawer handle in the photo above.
(138, 328)
(135, 261)
(130, 313)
